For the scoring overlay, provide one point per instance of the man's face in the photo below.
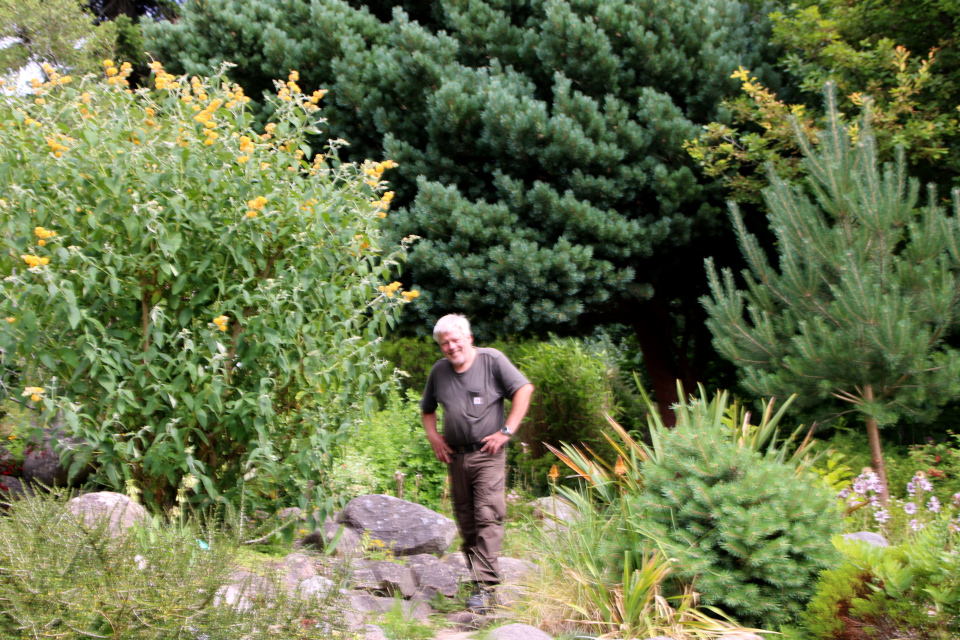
(456, 347)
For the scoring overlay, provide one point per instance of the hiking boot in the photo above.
(482, 601)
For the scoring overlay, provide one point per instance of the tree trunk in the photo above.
(652, 327)
(876, 452)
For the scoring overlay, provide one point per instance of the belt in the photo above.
(467, 448)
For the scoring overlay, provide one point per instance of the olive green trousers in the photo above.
(479, 505)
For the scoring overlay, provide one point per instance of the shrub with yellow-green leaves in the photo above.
(193, 296)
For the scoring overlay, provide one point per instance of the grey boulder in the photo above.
(554, 512)
(120, 511)
(406, 528)
(41, 460)
(869, 537)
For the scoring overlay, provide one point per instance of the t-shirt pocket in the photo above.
(477, 400)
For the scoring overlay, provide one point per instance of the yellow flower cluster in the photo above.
(55, 78)
(246, 147)
(235, 93)
(34, 261)
(11, 319)
(318, 95)
(375, 170)
(383, 203)
(115, 76)
(389, 289)
(205, 117)
(221, 322)
(43, 235)
(410, 295)
(292, 81)
(163, 79)
(35, 393)
(255, 205)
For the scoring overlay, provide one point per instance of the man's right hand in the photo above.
(440, 447)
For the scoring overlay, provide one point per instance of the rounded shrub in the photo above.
(750, 533)
(574, 391)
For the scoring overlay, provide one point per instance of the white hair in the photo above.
(451, 323)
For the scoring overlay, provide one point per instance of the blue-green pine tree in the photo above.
(540, 145)
(865, 289)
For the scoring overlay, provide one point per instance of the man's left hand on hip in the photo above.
(494, 442)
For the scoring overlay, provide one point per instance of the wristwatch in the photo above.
(505, 431)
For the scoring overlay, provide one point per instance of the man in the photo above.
(471, 385)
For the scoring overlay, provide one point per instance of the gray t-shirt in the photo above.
(473, 400)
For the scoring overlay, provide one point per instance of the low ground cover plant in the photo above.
(192, 295)
(906, 590)
(64, 578)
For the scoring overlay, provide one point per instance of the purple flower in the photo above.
(867, 481)
(925, 484)
(916, 525)
(934, 504)
(910, 508)
(881, 515)
(846, 491)
(912, 487)
(956, 499)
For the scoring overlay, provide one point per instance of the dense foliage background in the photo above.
(202, 281)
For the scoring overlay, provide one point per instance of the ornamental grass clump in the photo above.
(61, 577)
(192, 295)
(749, 532)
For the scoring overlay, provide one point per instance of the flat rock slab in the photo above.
(517, 632)
(467, 620)
(512, 570)
(432, 573)
(300, 566)
(405, 527)
(394, 578)
(364, 578)
(373, 632)
(372, 606)
(242, 591)
(458, 565)
(452, 634)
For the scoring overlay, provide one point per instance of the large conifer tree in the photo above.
(866, 288)
(540, 144)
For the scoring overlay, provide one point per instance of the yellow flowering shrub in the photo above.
(189, 312)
